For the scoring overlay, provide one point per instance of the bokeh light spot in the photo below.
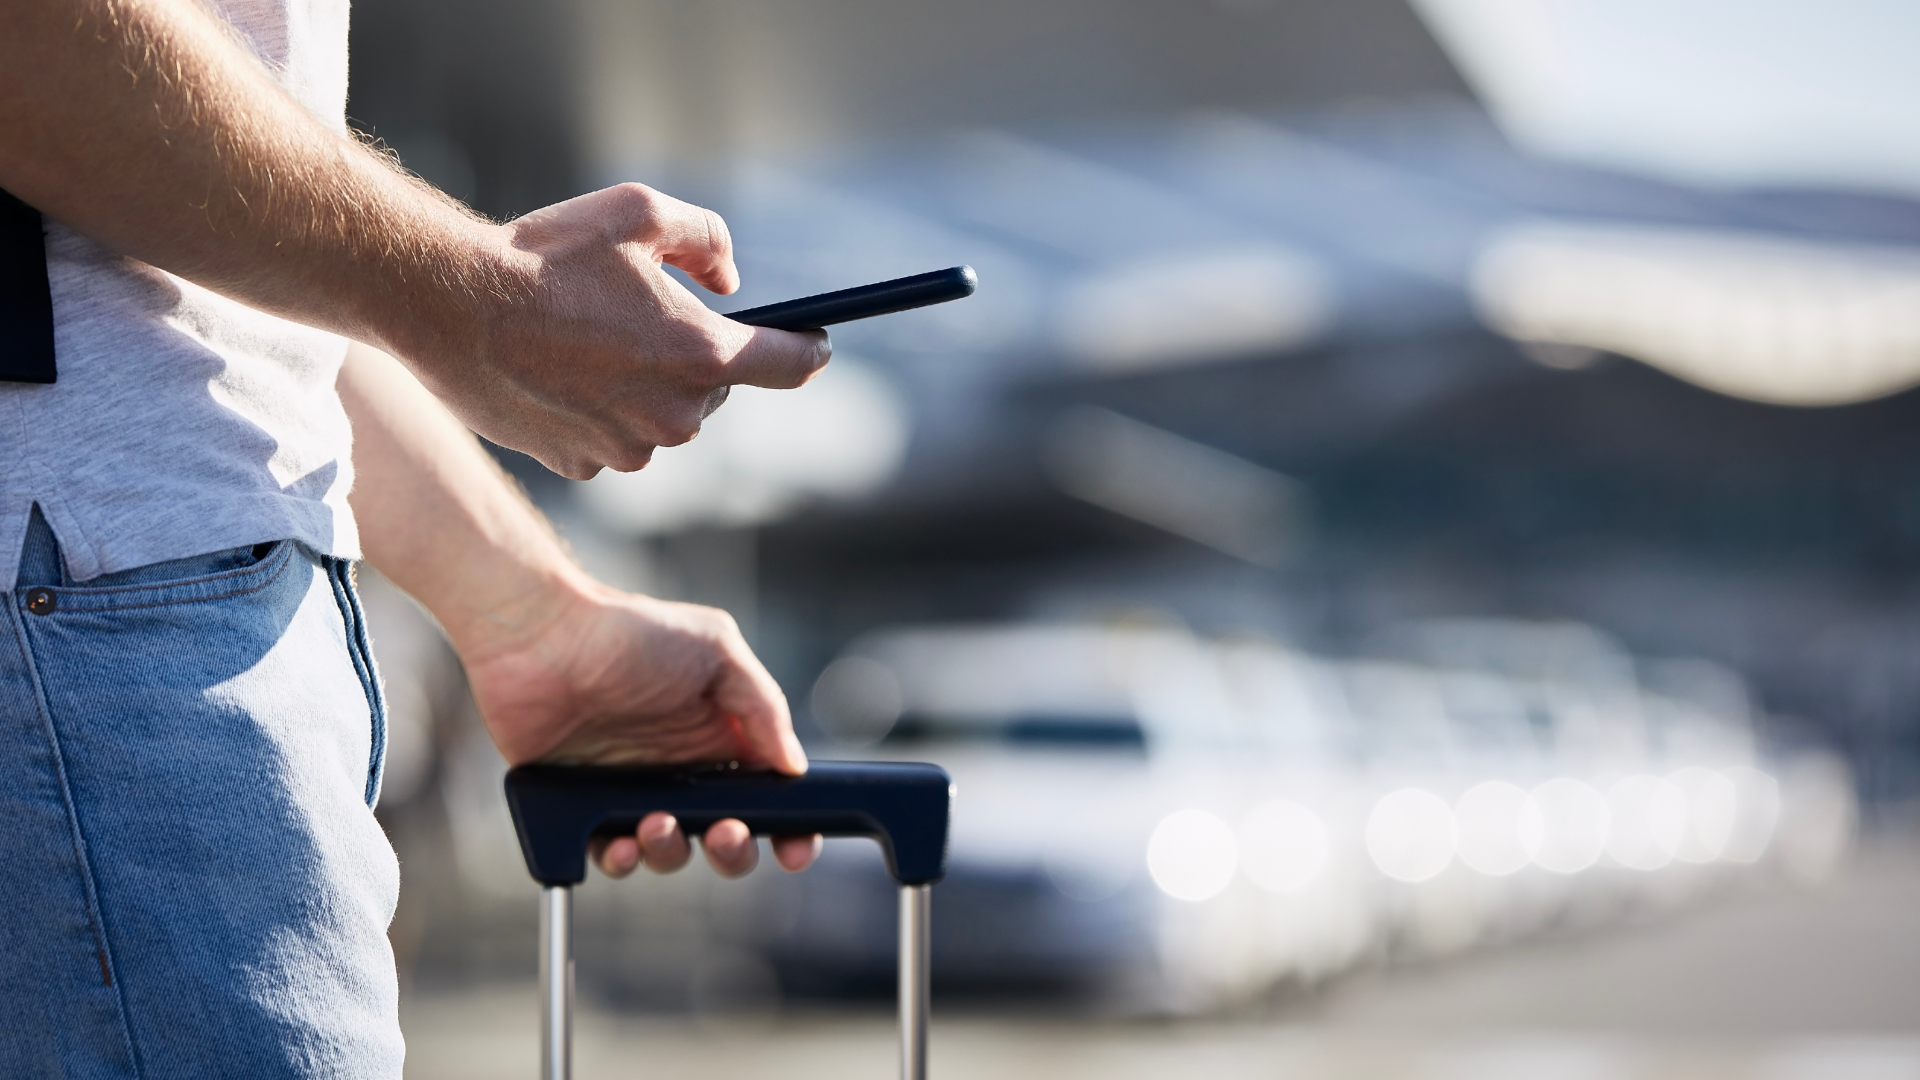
(1564, 825)
(1488, 817)
(1411, 835)
(1647, 817)
(1192, 855)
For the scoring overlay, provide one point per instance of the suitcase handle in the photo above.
(557, 809)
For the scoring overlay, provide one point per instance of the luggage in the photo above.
(557, 809)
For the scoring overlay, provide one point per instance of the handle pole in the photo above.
(556, 982)
(915, 982)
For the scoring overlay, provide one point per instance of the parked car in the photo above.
(1174, 823)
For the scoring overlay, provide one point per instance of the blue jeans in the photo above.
(192, 883)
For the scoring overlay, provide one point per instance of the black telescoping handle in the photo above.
(864, 302)
(557, 809)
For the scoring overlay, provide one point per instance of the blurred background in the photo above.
(1412, 555)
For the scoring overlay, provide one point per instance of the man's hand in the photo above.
(618, 679)
(146, 126)
(597, 355)
(563, 668)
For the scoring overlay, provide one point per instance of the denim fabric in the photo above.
(192, 883)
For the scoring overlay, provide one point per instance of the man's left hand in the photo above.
(613, 678)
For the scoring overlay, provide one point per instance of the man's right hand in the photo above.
(596, 355)
(146, 125)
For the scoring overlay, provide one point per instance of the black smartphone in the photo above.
(864, 302)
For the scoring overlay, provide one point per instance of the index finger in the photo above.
(696, 240)
(748, 693)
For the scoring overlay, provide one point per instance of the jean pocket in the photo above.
(215, 576)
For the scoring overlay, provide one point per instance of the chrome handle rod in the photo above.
(915, 979)
(556, 982)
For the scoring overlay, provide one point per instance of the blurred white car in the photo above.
(1179, 823)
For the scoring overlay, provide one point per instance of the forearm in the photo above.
(562, 668)
(143, 124)
(440, 518)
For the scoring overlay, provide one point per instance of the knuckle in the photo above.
(636, 194)
(710, 355)
(631, 458)
(680, 433)
(719, 238)
(702, 373)
(639, 209)
(572, 468)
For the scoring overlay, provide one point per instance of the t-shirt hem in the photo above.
(199, 527)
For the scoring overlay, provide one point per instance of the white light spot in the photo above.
(1192, 855)
(1712, 806)
(1488, 816)
(1411, 835)
(1647, 820)
(1564, 825)
(857, 700)
(1759, 806)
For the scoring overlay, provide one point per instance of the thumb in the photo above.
(779, 359)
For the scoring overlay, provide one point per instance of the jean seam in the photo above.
(275, 570)
(96, 915)
(361, 650)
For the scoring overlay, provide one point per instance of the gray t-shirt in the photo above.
(183, 422)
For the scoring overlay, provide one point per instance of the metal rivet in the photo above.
(41, 602)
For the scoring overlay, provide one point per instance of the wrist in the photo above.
(442, 309)
(517, 610)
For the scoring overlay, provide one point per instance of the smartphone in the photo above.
(864, 302)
